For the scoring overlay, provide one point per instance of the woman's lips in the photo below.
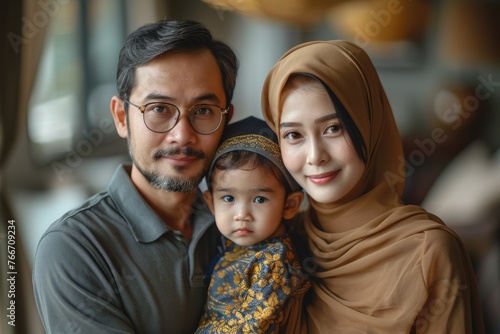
(323, 178)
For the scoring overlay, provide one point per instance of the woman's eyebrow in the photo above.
(290, 125)
(316, 121)
(326, 118)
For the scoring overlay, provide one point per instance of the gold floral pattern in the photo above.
(253, 143)
(250, 287)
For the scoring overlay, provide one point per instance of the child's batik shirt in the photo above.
(255, 288)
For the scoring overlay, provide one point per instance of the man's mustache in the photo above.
(188, 152)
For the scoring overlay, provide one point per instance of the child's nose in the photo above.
(242, 213)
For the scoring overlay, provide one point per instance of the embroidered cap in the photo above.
(253, 135)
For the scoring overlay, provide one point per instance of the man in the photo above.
(132, 259)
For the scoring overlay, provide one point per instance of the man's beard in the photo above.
(169, 183)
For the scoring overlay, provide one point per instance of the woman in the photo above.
(382, 266)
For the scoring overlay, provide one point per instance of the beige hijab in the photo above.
(384, 230)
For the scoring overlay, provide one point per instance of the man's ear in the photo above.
(229, 115)
(292, 204)
(210, 200)
(119, 116)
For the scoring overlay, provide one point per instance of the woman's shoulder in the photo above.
(442, 251)
(443, 241)
(421, 223)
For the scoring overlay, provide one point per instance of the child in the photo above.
(257, 285)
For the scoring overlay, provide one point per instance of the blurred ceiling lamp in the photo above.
(296, 12)
(470, 32)
(368, 21)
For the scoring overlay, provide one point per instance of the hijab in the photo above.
(378, 218)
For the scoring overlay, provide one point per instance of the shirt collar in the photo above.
(144, 223)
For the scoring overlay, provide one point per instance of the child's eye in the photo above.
(228, 198)
(260, 200)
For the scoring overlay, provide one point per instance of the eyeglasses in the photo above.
(162, 117)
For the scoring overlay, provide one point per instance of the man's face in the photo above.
(175, 160)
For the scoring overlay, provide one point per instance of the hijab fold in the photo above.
(371, 245)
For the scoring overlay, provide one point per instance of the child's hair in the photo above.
(247, 160)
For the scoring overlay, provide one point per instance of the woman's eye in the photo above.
(334, 129)
(228, 198)
(291, 135)
(260, 200)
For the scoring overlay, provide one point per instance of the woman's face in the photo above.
(315, 148)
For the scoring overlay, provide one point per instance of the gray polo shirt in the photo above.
(112, 266)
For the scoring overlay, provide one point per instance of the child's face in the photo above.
(248, 205)
(315, 148)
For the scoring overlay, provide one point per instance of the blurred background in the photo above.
(439, 62)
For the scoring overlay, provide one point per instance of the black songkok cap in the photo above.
(254, 135)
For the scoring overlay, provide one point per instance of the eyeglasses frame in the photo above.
(142, 109)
